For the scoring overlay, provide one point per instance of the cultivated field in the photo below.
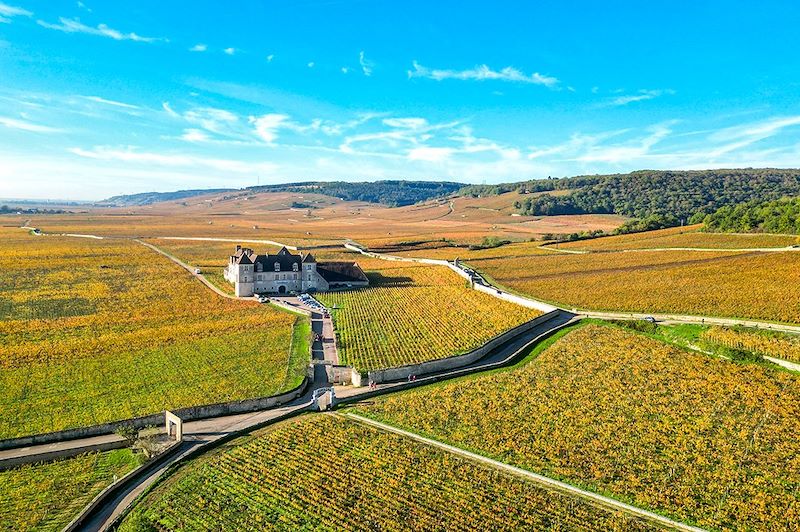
(701, 439)
(328, 473)
(413, 313)
(719, 283)
(48, 496)
(329, 221)
(99, 330)
(517, 249)
(771, 344)
(682, 237)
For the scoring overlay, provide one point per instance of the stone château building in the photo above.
(285, 272)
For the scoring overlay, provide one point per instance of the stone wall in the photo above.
(186, 414)
(458, 361)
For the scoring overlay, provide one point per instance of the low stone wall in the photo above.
(191, 413)
(49, 456)
(458, 361)
(114, 489)
(523, 301)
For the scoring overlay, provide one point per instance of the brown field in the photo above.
(682, 237)
(270, 216)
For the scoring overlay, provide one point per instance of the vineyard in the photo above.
(413, 313)
(328, 473)
(728, 284)
(766, 343)
(48, 496)
(682, 237)
(701, 439)
(99, 330)
(518, 249)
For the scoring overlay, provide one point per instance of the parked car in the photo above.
(197, 271)
(651, 319)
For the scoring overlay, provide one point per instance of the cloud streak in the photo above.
(8, 12)
(642, 95)
(102, 30)
(113, 103)
(482, 73)
(366, 66)
(22, 125)
(131, 155)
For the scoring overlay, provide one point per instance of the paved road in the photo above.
(606, 502)
(320, 325)
(204, 432)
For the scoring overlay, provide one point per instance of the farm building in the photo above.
(286, 272)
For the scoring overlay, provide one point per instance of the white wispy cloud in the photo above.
(345, 70)
(482, 73)
(76, 26)
(430, 154)
(199, 47)
(741, 136)
(267, 126)
(310, 64)
(130, 154)
(211, 119)
(171, 112)
(24, 125)
(642, 95)
(230, 51)
(194, 135)
(270, 57)
(7, 12)
(112, 103)
(366, 65)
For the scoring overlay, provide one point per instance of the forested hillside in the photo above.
(781, 216)
(685, 195)
(393, 193)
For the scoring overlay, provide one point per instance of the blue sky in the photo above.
(100, 98)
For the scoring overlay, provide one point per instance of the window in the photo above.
(308, 267)
(259, 267)
(294, 276)
(294, 267)
(259, 277)
(277, 266)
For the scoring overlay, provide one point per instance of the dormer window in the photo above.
(294, 267)
(259, 267)
(277, 266)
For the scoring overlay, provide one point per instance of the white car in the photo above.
(197, 271)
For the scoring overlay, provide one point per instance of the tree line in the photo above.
(781, 216)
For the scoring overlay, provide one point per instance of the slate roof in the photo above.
(341, 272)
(284, 258)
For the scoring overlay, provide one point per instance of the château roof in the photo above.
(341, 272)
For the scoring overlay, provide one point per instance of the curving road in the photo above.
(203, 435)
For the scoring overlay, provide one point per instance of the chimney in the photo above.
(238, 248)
